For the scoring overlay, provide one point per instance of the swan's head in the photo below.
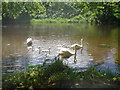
(81, 39)
(76, 46)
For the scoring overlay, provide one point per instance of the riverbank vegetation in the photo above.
(62, 12)
(59, 75)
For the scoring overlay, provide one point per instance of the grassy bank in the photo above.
(60, 20)
(58, 75)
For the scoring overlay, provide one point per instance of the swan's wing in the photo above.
(30, 47)
(29, 39)
(74, 45)
(59, 47)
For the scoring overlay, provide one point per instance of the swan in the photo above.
(48, 50)
(30, 48)
(65, 53)
(29, 42)
(77, 45)
(63, 46)
(35, 49)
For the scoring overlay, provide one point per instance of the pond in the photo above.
(100, 45)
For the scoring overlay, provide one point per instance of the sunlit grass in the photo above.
(58, 75)
(57, 20)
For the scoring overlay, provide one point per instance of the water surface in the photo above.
(16, 56)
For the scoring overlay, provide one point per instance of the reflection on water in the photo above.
(16, 55)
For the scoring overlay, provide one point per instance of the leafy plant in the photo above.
(58, 75)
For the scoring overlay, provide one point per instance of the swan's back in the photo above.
(65, 53)
(77, 46)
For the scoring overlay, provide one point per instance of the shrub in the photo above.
(59, 75)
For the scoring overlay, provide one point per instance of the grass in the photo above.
(58, 20)
(76, 19)
(58, 75)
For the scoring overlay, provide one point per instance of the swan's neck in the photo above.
(75, 56)
(49, 50)
(75, 51)
(81, 41)
(39, 49)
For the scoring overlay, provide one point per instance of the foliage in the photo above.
(59, 75)
(14, 9)
(57, 20)
(75, 12)
(98, 12)
(106, 11)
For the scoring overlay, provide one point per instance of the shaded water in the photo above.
(16, 56)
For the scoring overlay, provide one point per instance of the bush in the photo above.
(59, 75)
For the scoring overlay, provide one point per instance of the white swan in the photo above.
(35, 49)
(77, 45)
(30, 48)
(48, 50)
(65, 53)
(29, 42)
